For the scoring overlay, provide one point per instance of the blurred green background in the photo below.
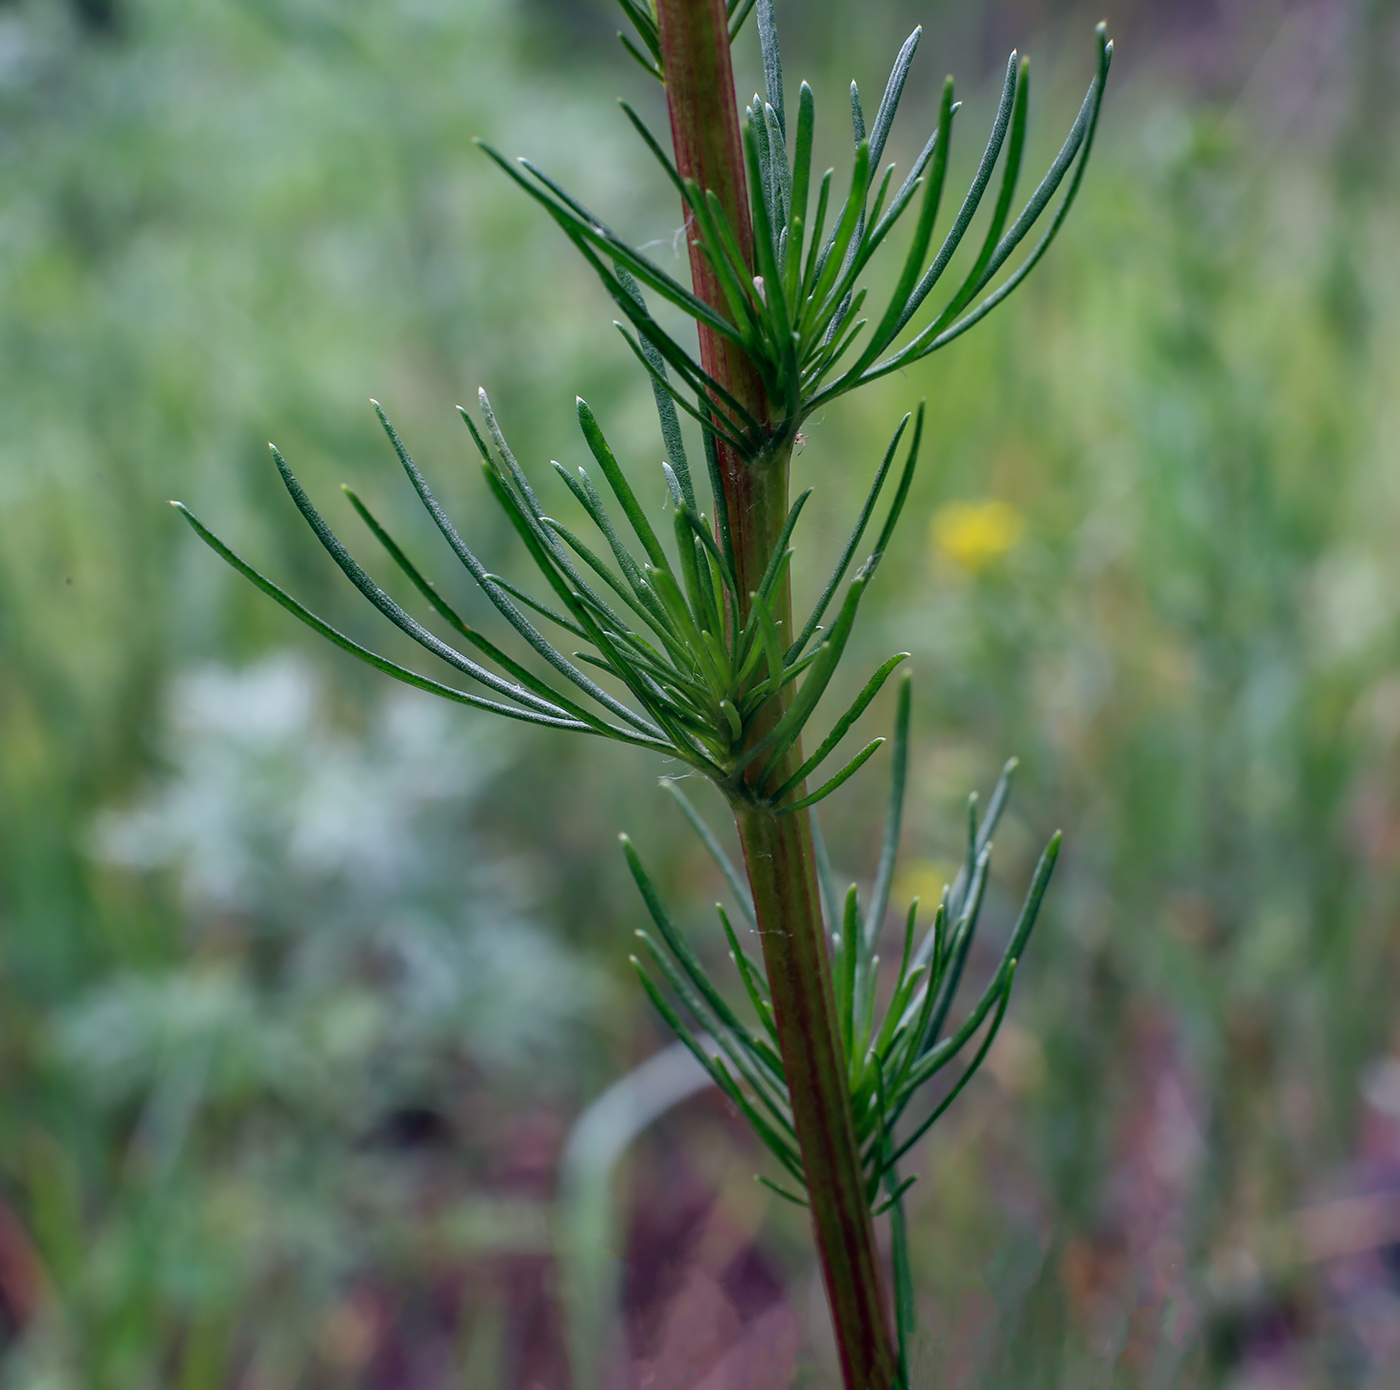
(305, 982)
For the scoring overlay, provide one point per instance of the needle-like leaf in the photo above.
(391, 610)
(772, 61)
(844, 563)
(842, 726)
(488, 648)
(884, 875)
(754, 984)
(389, 668)
(894, 89)
(923, 1128)
(827, 788)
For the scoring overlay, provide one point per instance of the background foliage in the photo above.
(302, 983)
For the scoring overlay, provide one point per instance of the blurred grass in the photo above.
(1152, 554)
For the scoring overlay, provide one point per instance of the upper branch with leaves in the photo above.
(796, 310)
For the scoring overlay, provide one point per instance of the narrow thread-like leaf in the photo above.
(894, 819)
(827, 788)
(843, 564)
(389, 668)
(842, 725)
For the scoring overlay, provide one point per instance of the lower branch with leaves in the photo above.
(681, 638)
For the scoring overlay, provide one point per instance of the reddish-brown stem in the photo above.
(778, 851)
(705, 134)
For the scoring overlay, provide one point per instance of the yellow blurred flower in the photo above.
(924, 879)
(974, 534)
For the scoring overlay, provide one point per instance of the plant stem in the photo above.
(778, 852)
(779, 857)
(705, 133)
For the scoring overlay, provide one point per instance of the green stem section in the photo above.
(778, 851)
(781, 864)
